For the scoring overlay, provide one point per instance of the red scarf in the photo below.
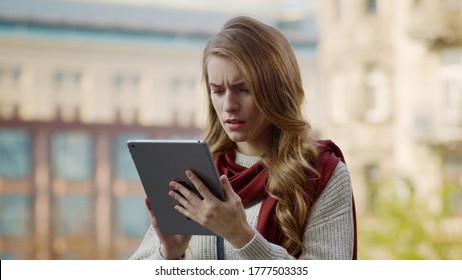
(250, 183)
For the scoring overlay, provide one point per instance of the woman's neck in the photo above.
(249, 150)
(246, 161)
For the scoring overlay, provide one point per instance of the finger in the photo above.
(148, 204)
(227, 188)
(200, 186)
(183, 204)
(151, 214)
(181, 194)
(183, 211)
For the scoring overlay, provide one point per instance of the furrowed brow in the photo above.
(239, 84)
(212, 84)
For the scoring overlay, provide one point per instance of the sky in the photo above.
(290, 8)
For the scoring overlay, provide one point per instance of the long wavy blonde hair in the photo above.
(269, 67)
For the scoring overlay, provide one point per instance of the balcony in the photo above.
(433, 129)
(438, 23)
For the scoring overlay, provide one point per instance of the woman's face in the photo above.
(235, 107)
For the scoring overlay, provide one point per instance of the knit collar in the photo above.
(245, 160)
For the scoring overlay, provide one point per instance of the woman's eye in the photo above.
(217, 91)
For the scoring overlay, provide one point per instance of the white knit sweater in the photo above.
(329, 233)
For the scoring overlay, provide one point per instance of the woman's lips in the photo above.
(234, 124)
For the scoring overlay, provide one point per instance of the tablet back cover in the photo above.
(160, 161)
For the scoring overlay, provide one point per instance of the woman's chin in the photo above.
(236, 138)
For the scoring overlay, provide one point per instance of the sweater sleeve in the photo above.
(329, 233)
(149, 248)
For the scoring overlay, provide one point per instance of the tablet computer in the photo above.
(160, 161)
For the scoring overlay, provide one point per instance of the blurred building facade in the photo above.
(392, 84)
(76, 81)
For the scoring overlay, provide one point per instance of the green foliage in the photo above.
(406, 229)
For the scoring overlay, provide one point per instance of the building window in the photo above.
(337, 9)
(73, 215)
(452, 189)
(126, 208)
(175, 85)
(372, 176)
(371, 7)
(67, 79)
(289, 25)
(129, 195)
(10, 75)
(451, 87)
(117, 81)
(376, 97)
(72, 156)
(123, 164)
(73, 226)
(15, 215)
(126, 82)
(453, 5)
(340, 100)
(58, 78)
(15, 154)
(182, 85)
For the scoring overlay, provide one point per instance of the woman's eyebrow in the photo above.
(237, 84)
(212, 84)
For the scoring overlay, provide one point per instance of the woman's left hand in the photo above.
(225, 218)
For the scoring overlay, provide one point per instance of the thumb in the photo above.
(148, 205)
(151, 215)
(227, 188)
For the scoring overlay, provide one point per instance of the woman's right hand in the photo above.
(172, 246)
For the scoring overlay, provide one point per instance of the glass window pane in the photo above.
(73, 215)
(372, 6)
(132, 218)
(6, 255)
(72, 155)
(340, 99)
(376, 94)
(15, 154)
(452, 56)
(124, 167)
(15, 213)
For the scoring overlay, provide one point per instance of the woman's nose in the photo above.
(230, 102)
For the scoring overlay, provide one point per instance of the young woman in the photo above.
(287, 195)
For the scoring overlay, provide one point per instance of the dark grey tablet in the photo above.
(160, 161)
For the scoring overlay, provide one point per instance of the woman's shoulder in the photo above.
(338, 192)
(328, 160)
(329, 152)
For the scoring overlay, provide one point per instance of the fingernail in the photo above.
(188, 173)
